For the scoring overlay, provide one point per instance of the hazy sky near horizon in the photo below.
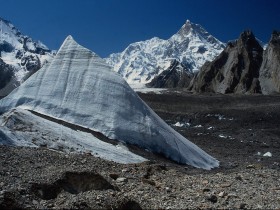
(107, 26)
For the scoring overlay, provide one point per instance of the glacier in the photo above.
(19, 126)
(79, 87)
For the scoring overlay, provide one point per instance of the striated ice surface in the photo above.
(22, 128)
(79, 87)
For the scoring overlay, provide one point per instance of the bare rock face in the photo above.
(8, 81)
(270, 69)
(6, 72)
(235, 70)
(176, 75)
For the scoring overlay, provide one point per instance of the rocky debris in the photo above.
(77, 182)
(8, 200)
(45, 191)
(235, 70)
(243, 180)
(32, 180)
(222, 194)
(176, 76)
(114, 176)
(270, 68)
(212, 198)
(72, 182)
(127, 204)
(121, 180)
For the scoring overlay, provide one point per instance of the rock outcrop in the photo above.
(270, 69)
(235, 70)
(6, 73)
(176, 76)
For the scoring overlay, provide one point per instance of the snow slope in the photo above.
(140, 62)
(80, 88)
(21, 52)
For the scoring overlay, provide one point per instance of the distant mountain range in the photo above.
(20, 56)
(191, 58)
(189, 48)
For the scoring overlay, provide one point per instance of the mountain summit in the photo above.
(21, 55)
(141, 61)
(190, 30)
(78, 87)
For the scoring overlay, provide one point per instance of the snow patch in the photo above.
(219, 117)
(23, 53)
(179, 124)
(267, 154)
(225, 137)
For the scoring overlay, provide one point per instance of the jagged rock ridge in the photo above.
(270, 69)
(176, 76)
(235, 70)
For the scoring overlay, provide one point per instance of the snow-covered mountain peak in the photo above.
(141, 61)
(186, 28)
(193, 32)
(11, 35)
(8, 33)
(22, 53)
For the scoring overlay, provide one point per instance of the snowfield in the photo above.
(78, 87)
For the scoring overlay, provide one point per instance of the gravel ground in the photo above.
(40, 178)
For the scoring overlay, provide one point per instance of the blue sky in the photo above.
(107, 26)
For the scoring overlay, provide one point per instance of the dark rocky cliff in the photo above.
(176, 76)
(235, 70)
(270, 69)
